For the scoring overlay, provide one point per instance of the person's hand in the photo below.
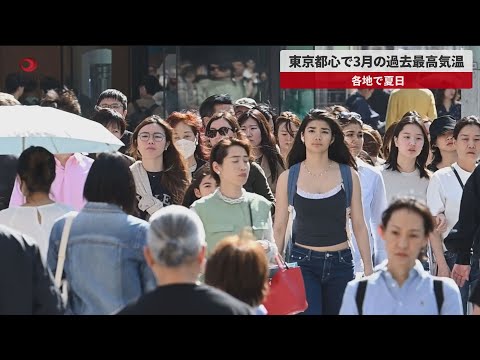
(441, 223)
(460, 273)
(443, 269)
(368, 271)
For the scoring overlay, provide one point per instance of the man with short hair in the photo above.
(116, 100)
(214, 104)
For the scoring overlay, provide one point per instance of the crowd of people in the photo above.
(189, 215)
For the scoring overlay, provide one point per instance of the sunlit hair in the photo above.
(65, 100)
(220, 152)
(372, 142)
(387, 138)
(289, 119)
(344, 116)
(174, 177)
(337, 151)
(190, 119)
(238, 265)
(268, 144)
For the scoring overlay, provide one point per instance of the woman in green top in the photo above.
(231, 208)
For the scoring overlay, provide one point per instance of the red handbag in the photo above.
(287, 291)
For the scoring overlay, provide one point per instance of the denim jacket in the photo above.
(104, 264)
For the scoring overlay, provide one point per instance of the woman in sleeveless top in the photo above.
(321, 246)
(231, 208)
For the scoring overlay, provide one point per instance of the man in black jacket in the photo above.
(26, 285)
(467, 229)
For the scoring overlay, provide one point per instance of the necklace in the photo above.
(228, 200)
(321, 173)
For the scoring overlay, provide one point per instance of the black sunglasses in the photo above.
(211, 133)
(346, 116)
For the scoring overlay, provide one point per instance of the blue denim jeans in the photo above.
(450, 257)
(325, 275)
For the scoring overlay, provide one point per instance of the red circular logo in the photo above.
(28, 64)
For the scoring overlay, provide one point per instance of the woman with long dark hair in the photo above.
(255, 126)
(160, 172)
(320, 202)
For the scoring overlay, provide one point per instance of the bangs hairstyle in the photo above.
(288, 118)
(421, 160)
(190, 119)
(106, 117)
(337, 151)
(268, 144)
(198, 176)
(174, 177)
(220, 152)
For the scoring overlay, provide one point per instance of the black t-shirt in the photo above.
(187, 299)
(158, 190)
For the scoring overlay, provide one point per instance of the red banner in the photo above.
(380, 80)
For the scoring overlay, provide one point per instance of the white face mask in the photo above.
(186, 147)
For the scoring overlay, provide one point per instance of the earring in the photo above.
(166, 147)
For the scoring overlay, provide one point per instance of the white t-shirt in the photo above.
(444, 194)
(402, 183)
(25, 219)
(374, 202)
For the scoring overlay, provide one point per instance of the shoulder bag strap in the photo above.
(438, 289)
(292, 182)
(360, 296)
(458, 176)
(347, 182)
(63, 249)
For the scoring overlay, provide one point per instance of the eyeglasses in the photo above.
(223, 131)
(157, 137)
(114, 106)
(346, 116)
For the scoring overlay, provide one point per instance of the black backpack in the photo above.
(139, 115)
(362, 287)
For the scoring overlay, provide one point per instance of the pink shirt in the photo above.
(67, 188)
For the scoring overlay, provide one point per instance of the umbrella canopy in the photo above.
(56, 130)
